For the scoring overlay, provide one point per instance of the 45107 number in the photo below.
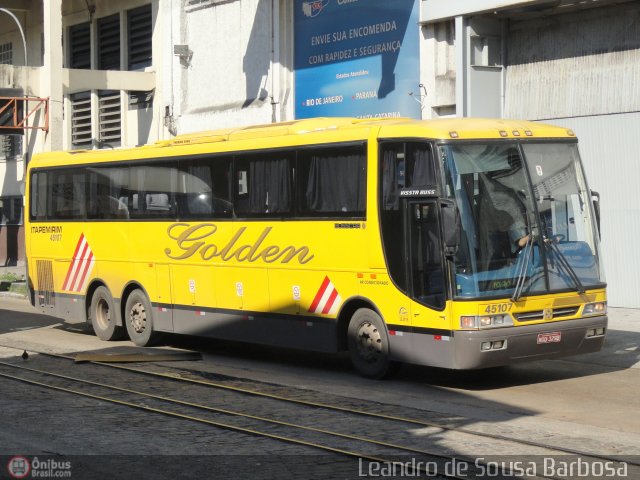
(499, 308)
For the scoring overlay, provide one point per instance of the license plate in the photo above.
(553, 337)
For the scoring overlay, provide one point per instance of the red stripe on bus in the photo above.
(332, 298)
(86, 270)
(84, 251)
(73, 261)
(319, 295)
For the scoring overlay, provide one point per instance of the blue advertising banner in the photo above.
(357, 58)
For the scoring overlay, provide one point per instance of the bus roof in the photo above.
(314, 131)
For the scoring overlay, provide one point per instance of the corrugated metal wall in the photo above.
(611, 154)
(582, 70)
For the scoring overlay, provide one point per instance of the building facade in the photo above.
(134, 72)
(80, 75)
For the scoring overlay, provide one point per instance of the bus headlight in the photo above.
(477, 322)
(596, 308)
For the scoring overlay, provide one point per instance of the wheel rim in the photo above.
(138, 317)
(369, 342)
(103, 314)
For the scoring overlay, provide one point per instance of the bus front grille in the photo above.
(539, 314)
(45, 293)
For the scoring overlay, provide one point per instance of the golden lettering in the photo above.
(224, 253)
(186, 236)
(239, 252)
(269, 252)
(263, 235)
(190, 239)
(209, 251)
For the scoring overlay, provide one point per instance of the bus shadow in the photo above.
(13, 320)
(620, 352)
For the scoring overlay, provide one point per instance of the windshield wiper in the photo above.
(522, 269)
(563, 264)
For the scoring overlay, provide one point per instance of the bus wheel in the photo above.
(102, 314)
(138, 317)
(369, 344)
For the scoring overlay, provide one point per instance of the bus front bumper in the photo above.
(504, 346)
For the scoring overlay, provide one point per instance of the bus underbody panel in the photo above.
(468, 350)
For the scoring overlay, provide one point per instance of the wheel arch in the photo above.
(349, 307)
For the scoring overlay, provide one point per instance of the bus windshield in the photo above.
(526, 216)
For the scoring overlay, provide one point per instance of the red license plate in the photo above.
(553, 337)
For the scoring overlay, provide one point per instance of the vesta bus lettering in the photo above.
(197, 239)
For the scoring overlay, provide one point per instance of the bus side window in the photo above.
(67, 196)
(331, 182)
(203, 189)
(39, 196)
(263, 185)
(108, 196)
(153, 191)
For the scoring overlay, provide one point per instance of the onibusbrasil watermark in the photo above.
(483, 468)
(23, 467)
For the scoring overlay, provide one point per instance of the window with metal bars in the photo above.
(110, 117)
(139, 33)
(6, 53)
(81, 120)
(80, 46)
(109, 42)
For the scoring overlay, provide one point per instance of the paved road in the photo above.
(588, 402)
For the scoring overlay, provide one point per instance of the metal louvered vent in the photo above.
(109, 43)
(109, 126)
(46, 295)
(80, 46)
(139, 33)
(81, 120)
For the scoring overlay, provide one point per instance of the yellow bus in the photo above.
(456, 243)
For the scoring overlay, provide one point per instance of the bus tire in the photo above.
(369, 345)
(102, 314)
(138, 318)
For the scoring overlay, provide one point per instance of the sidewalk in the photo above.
(12, 281)
(19, 271)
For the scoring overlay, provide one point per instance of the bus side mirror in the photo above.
(595, 199)
(450, 227)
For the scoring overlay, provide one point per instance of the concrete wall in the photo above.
(573, 65)
(239, 70)
(438, 69)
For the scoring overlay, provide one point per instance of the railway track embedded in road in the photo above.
(369, 448)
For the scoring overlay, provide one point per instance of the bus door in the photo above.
(424, 257)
